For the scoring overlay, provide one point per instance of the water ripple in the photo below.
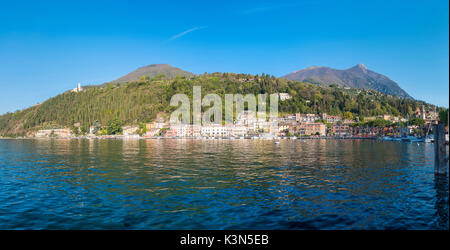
(219, 184)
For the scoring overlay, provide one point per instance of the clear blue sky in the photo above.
(46, 47)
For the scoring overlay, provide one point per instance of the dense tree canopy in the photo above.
(443, 116)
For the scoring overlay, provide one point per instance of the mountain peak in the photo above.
(153, 70)
(360, 66)
(357, 76)
(312, 67)
(158, 65)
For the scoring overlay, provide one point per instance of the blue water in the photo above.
(220, 184)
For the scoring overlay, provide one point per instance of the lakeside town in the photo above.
(247, 126)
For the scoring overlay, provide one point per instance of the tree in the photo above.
(417, 121)
(443, 117)
(162, 131)
(142, 129)
(379, 123)
(96, 126)
(114, 127)
(84, 129)
(144, 78)
(75, 130)
(348, 115)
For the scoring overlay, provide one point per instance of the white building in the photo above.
(180, 130)
(53, 133)
(247, 118)
(78, 88)
(284, 96)
(130, 130)
(216, 130)
(288, 118)
(239, 130)
(306, 117)
(331, 118)
(152, 132)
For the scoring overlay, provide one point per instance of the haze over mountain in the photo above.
(356, 77)
(152, 71)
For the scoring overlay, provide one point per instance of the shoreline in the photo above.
(191, 138)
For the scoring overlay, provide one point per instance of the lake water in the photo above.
(220, 184)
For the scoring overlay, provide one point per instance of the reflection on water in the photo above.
(220, 184)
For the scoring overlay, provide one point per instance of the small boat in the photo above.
(387, 138)
(410, 138)
(276, 142)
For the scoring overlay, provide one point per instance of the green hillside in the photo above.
(141, 101)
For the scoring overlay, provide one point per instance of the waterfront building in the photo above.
(341, 130)
(311, 129)
(285, 127)
(432, 115)
(348, 122)
(431, 121)
(287, 119)
(53, 133)
(213, 130)
(306, 117)
(130, 130)
(386, 117)
(180, 130)
(194, 131)
(216, 130)
(239, 130)
(330, 118)
(247, 118)
(370, 118)
(395, 119)
(368, 131)
(420, 112)
(152, 132)
(158, 125)
(273, 129)
(262, 125)
(170, 133)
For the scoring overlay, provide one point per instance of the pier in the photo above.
(440, 152)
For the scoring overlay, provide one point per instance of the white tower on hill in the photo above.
(78, 88)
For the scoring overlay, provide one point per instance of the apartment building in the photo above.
(311, 129)
(306, 117)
